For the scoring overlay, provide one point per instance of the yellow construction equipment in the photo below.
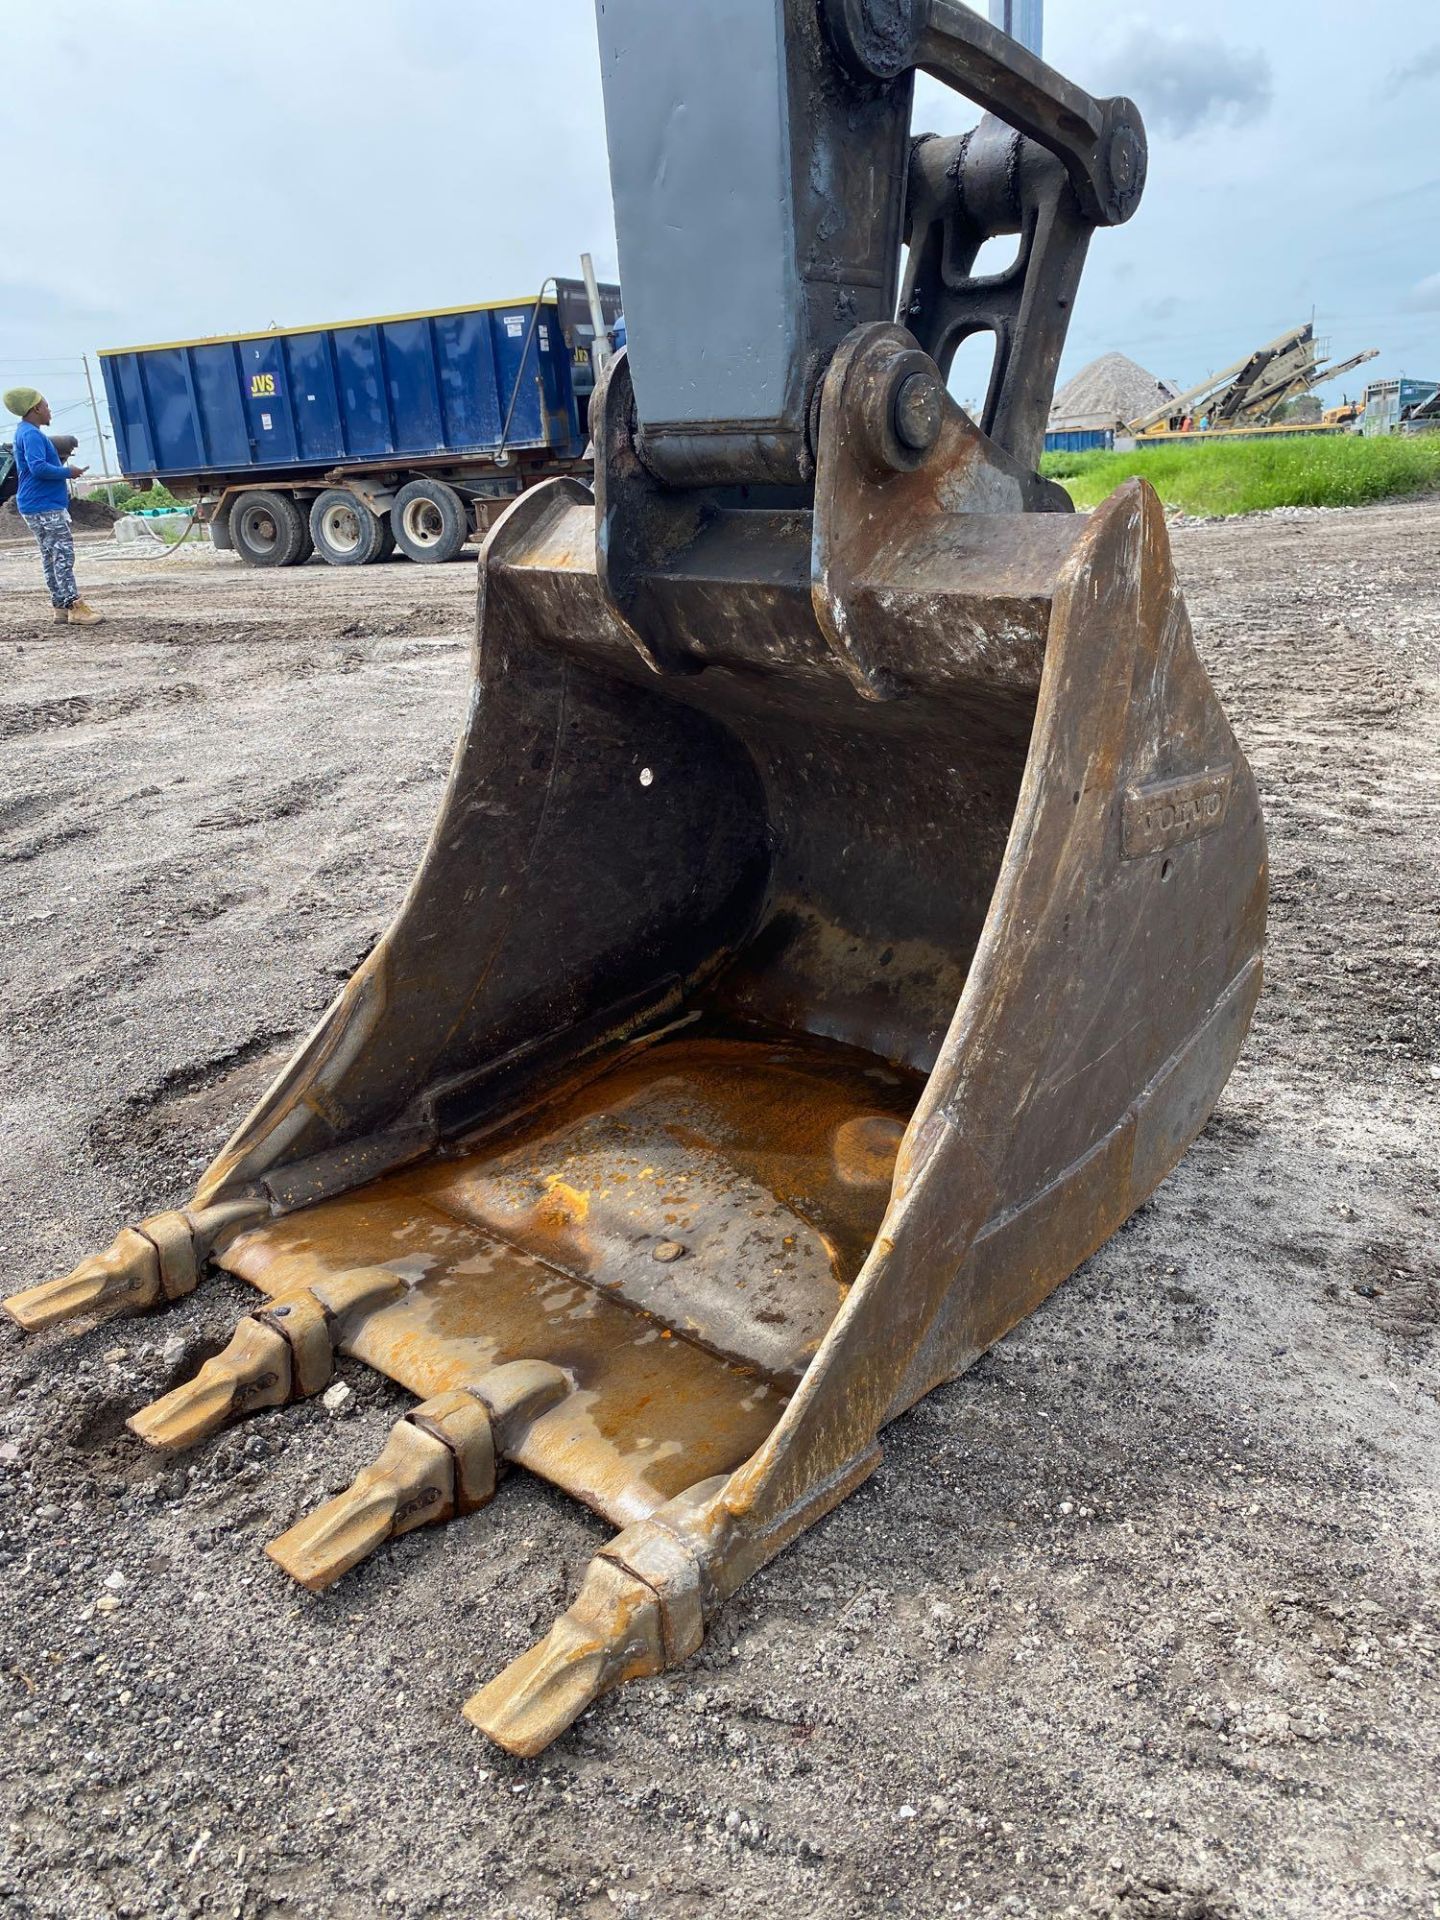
(1251, 392)
(847, 900)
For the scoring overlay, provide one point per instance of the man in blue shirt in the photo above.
(43, 501)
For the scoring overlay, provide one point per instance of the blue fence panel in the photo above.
(1080, 440)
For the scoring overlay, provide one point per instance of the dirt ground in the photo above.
(1140, 1619)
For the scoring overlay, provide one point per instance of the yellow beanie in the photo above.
(19, 400)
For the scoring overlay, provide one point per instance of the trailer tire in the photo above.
(431, 521)
(269, 530)
(346, 533)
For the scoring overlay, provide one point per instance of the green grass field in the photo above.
(1245, 476)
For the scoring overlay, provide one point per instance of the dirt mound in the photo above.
(93, 515)
(86, 516)
(1110, 392)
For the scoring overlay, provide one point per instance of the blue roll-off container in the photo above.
(406, 386)
(1080, 440)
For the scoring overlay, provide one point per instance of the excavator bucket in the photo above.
(847, 900)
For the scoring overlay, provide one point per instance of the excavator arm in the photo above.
(770, 145)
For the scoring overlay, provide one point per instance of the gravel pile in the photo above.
(1110, 392)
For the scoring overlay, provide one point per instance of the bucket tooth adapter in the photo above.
(848, 897)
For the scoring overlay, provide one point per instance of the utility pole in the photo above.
(1021, 19)
(100, 437)
(597, 316)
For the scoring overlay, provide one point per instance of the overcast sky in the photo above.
(176, 169)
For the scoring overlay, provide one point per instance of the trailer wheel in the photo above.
(269, 530)
(346, 533)
(431, 521)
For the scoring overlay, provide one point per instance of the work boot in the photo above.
(79, 615)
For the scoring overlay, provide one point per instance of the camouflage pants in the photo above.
(57, 554)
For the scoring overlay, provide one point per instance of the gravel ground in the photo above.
(1139, 1619)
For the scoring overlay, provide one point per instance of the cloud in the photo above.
(1424, 296)
(1185, 81)
(1424, 66)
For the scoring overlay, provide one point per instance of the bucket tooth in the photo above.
(412, 1484)
(283, 1351)
(125, 1276)
(439, 1461)
(160, 1259)
(612, 1633)
(254, 1371)
(641, 1610)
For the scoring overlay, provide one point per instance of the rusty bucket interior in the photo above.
(676, 1233)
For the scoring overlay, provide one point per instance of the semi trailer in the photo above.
(350, 440)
